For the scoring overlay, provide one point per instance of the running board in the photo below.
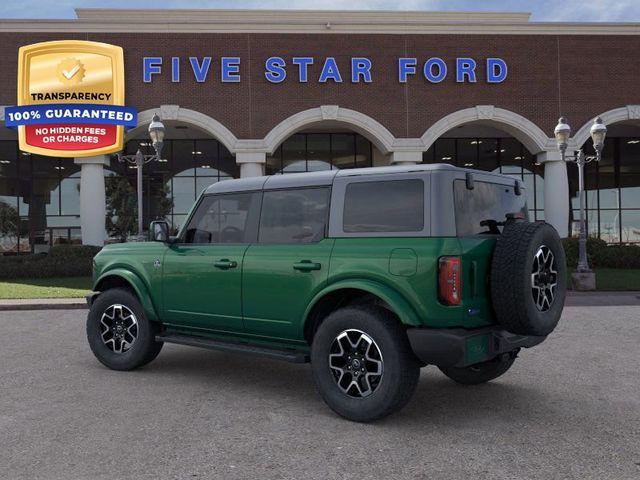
(288, 355)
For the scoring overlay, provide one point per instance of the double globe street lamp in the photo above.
(156, 133)
(598, 132)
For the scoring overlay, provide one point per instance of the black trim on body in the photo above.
(288, 355)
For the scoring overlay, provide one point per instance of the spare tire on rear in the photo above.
(528, 278)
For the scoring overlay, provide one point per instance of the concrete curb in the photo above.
(43, 304)
(602, 299)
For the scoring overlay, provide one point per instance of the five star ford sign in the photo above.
(70, 99)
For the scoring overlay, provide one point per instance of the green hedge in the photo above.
(61, 261)
(601, 255)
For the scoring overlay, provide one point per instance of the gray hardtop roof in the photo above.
(326, 177)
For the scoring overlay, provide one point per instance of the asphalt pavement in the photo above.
(569, 408)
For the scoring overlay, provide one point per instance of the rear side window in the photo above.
(486, 202)
(385, 206)
(227, 218)
(294, 216)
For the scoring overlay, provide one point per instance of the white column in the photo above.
(556, 191)
(92, 199)
(405, 158)
(251, 163)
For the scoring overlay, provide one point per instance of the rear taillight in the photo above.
(449, 286)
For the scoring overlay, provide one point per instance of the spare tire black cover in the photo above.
(528, 278)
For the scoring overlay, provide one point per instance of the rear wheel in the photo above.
(481, 372)
(362, 363)
(119, 333)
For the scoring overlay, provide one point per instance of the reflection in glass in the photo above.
(294, 153)
(308, 152)
(630, 223)
(184, 193)
(610, 226)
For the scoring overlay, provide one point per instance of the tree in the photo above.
(162, 201)
(9, 221)
(122, 206)
(122, 209)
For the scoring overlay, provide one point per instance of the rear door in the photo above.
(202, 275)
(290, 262)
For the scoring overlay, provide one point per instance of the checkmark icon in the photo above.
(71, 73)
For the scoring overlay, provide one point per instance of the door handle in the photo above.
(225, 264)
(306, 266)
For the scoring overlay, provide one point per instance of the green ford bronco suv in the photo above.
(369, 274)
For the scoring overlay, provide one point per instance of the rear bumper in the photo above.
(459, 347)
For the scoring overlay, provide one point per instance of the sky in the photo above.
(542, 10)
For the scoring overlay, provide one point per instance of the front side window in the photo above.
(226, 218)
(384, 206)
(485, 203)
(294, 216)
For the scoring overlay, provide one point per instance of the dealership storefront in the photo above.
(246, 93)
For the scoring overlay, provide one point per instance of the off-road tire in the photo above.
(143, 349)
(400, 369)
(481, 372)
(512, 295)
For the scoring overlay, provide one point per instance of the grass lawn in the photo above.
(70, 287)
(617, 279)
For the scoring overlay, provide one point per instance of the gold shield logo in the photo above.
(78, 74)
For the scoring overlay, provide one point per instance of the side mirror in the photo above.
(159, 231)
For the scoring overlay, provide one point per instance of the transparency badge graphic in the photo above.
(70, 99)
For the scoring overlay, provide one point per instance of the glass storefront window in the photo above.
(343, 149)
(8, 159)
(630, 225)
(294, 154)
(364, 152)
(487, 158)
(205, 154)
(429, 155)
(610, 226)
(306, 152)
(467, 152)
(70, 196)
(629, 172)
(511, 156)
(318, 151)
(445, 151)
(184, 193)
(274, 162)
(204, 182)
(182, 159)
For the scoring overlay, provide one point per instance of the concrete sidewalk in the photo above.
(43, 304)
(574, 299)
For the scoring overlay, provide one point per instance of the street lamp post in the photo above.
(562, 133)
(156, 133)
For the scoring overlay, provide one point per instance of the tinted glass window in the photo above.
(487, 201)
(388, 206)
(228, 218)
(294, 216)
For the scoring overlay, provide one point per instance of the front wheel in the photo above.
(362, 363)
(481, 372)
(119, 333)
